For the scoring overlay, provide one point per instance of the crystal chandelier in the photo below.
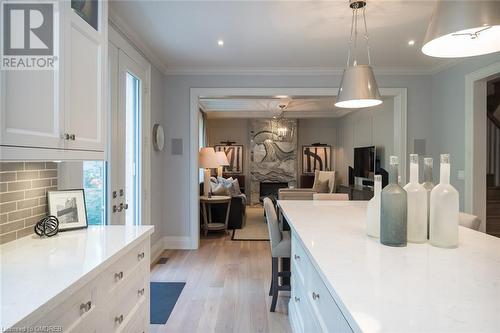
(281, 128)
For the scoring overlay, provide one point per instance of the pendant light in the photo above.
(282, 129)
(463, 29)
(358, 87)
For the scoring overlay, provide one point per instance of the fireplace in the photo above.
(271, 188)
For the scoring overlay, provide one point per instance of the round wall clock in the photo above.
(158, 137)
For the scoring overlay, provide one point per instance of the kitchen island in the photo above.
(344, 281)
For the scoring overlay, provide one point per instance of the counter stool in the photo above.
(280, 248)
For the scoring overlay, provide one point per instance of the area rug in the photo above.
(164, 295)
(255, 228)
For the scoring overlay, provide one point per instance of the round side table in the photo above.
(206, 209)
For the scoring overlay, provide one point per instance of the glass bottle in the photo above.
(417, 205)
(373, 212)
(444, 209)
(393, 216)
(428, 184)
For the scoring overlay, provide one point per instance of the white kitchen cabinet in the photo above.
(62, 109)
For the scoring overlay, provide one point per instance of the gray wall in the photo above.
(176, 98)
(158, 169)
(448, 116)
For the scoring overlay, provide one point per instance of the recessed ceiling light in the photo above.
(220, 42)
(411, 42)
(281, 96)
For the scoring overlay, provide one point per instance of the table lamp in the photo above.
(207, 160)
(222, 159)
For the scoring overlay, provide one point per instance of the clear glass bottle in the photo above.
(428, 184)
(373, 212)
(393, 214)
(444, 209)
(417, 205)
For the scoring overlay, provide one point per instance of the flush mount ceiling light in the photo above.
(220, 42)
(358, 88)
(463, 29)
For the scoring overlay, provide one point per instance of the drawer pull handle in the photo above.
(296, 257)
(315, 296)
(140, 291)
(118, 276)
(85, 307)
(140, 256)
(297, 299)
(119, 319)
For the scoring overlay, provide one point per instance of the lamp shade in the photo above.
(463, 29)
(358, 88)
(208, 158)
(222, 158)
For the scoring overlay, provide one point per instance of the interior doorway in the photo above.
(493, 157)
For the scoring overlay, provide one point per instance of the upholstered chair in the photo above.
(469, 221)
(280, 248)
(331, 196)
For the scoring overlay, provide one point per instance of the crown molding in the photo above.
(134, 39)
(305, 71)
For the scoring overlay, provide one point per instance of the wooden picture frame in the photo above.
(316, 158)
(234, 155)
(69, 207)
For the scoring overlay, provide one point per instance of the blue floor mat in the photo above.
(164, 295)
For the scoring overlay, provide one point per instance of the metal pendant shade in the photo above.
(358, 87)
(463, 29)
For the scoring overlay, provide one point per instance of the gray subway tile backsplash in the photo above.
(23, 202)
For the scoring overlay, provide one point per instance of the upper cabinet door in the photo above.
(31, 104)
(86, 39)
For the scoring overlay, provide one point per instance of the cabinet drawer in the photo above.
(300, 261)
(324, 307)
(138, 322)
(132, 295)
(74, 310)
(113, 278)
(305, 319)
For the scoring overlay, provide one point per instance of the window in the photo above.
(94, 185)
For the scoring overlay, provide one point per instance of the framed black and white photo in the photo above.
(234, 155)
(316, 158)
(69, 208)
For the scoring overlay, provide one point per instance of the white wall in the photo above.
(447, 121)
(361, 128)
(176, 97)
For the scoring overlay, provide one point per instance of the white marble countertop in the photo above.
(418, 288)
(35, 272)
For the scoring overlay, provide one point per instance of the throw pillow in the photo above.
(219, 189)
(320, 186)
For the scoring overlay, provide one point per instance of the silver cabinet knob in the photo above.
(119, 319)
(296, 257)
(65, 136)
(315, 296)
(140, 291)
(85, 307)
(72, 137)
(118, 276)
(140, 256)
(297, 299)
(126, 206)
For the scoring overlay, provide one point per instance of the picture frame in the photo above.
(69, 208)
(316, 157)
(234, 155)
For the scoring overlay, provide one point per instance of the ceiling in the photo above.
(267, 107)
(274, 35)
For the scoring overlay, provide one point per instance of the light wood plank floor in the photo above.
(227, 285)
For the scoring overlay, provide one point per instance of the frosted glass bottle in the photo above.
(428, 184)
(373, 212)
(444, 209)
(393, 215)
(417, 205)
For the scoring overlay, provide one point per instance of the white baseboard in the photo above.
(177, 242)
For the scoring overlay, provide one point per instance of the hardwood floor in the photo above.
(227, 285)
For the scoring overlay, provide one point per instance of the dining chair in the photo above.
(331, 196)
(280, 249)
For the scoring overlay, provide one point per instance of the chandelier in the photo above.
(282, 129)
